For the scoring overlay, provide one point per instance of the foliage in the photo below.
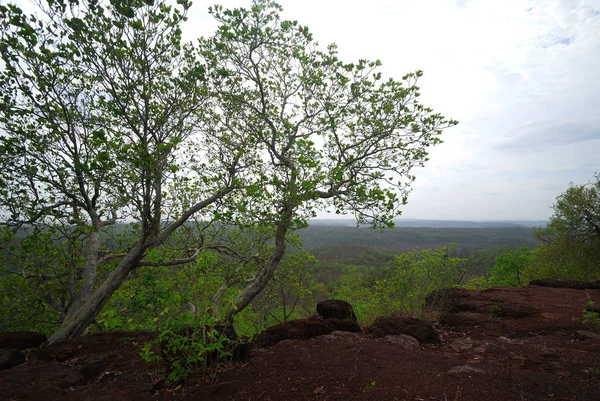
(590, 317)
(108, 117)
(571, 240)
(99, 102)
(34, 267)
(411, 277)
(477, 283)
(576, 214)
(510, 268)
(286, 293)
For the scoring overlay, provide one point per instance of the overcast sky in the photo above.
(522, 77)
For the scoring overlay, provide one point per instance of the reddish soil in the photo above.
(501, 344)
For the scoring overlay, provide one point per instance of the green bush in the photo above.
(510, 268)
(411, 277)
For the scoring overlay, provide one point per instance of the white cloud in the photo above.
(522, 77)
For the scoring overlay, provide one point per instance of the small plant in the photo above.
(496, 312)
(370, 386)
(187, 349)
(589, 316)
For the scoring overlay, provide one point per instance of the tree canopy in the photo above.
(571, 240)
(107, 118)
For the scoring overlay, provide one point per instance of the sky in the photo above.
(521, 77)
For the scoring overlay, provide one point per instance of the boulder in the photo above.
(396, 324)
(576, 285)
(300, 329)
(10, 357)
(21, 339)
(335, 309)
(345, 325)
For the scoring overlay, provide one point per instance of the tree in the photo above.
(99, 103)
(571, 240)
(510, 267)
(109, 118)
(330, 135)
(576, 214)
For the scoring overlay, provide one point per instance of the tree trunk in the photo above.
(90, 265)
(81, 317)
(263, 277)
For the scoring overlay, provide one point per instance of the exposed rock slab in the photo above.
(576, 285)
(10, 357)
(395, 324)
(21, 339)
(37, 379)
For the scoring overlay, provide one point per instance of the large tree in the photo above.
(571, 240)
(577, 213)
(99, 103)
(108, 117)
(331, 135)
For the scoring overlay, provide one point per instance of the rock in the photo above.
(10, 357)
(396, 324)
(512, 311)
(300, 329)
(93, 369)
(465, 369)
(453, 300)
(547, 352)
(346, 334)
(585, 335)
(58, 352)
(481, 349)
(38, 379)
(345, 325)
(462, 344)
(21, 339)
(402, 340)
(459, 320)
(335, 309)
(511, 341)
(576, 285)
(442, 299)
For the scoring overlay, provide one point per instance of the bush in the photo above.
(411, 277)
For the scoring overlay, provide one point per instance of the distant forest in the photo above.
(365, 246)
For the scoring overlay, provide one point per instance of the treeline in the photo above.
(352, 245)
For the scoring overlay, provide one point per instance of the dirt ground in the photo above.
(501, 344)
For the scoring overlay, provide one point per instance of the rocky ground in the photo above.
(500, 344)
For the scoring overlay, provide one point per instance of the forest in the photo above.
(149, 184)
